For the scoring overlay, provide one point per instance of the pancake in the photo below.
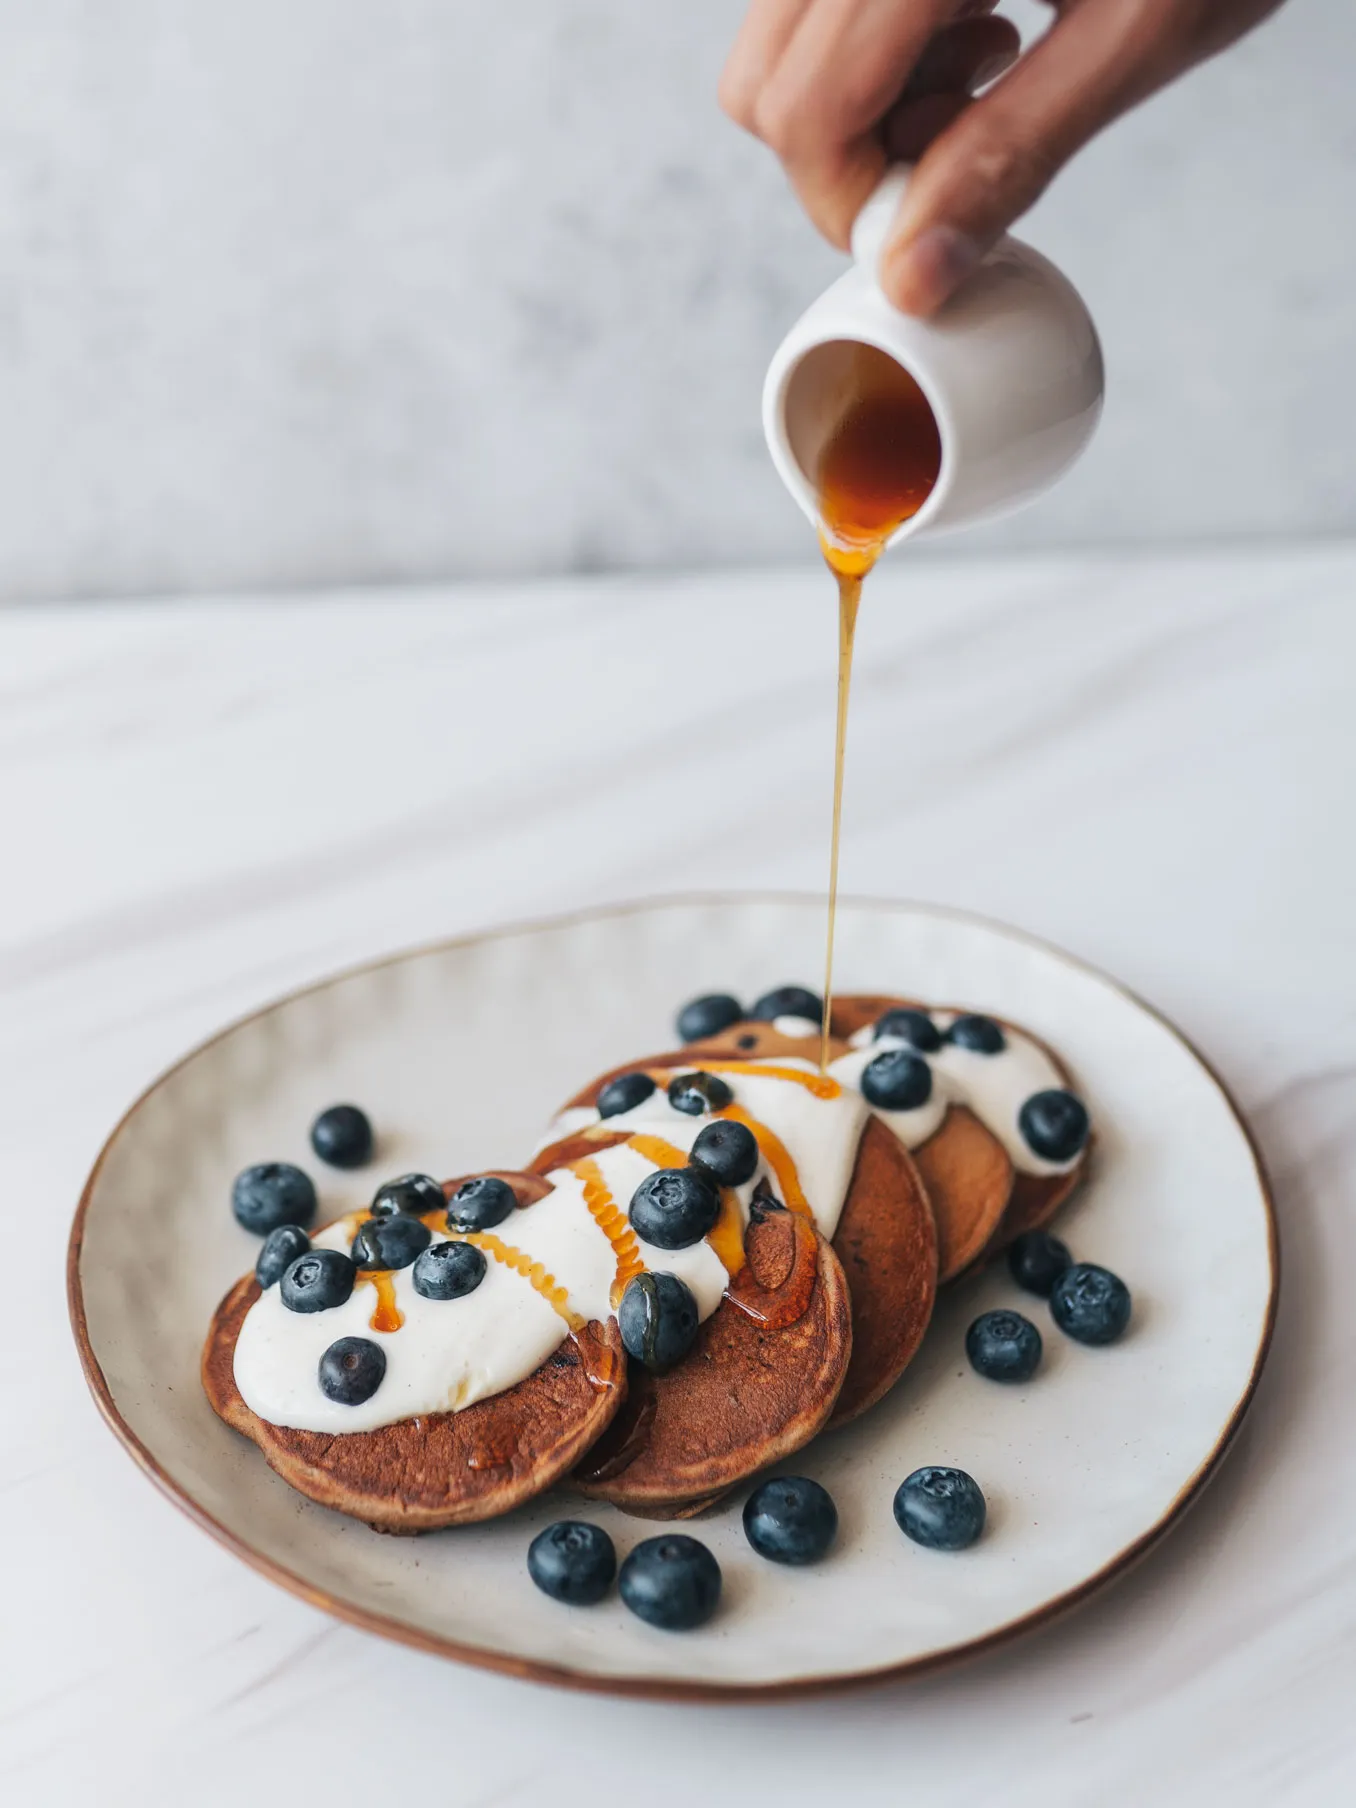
(443, 1468)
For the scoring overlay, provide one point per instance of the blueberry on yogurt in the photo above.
(624, 1093)
(390, 1242)
(979, 1034)
(694, 1093)
(1090, 1304)
(708, 1016)
(657, 1318)
(898, 1080)
(674, 1208)
(942, 1509)
(1054, 1124)
(481, 1203)
(413, 1194)
(788, 1001)
(728, 1151)
(672, 1582)
(351, 1370)
(342, 1136)
(281, 1248)
(317, 1281)
(790, 1520)
(914, 1027)
(448, 1271)
(572, 1561)
(1003, 1346)
(273, 1193)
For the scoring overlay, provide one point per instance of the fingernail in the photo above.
(990, 71)
(921, 276)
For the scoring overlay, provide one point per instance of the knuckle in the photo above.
(737, 100)
(776, 120)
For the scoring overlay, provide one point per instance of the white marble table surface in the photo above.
(1151, 761)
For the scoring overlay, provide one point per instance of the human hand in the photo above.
(840, 89)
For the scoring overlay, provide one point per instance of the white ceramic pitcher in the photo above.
(1011, 368)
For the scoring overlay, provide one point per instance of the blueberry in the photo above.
(897, 1081)
(914, 1027)
(674, 1207)
(390, 1242)
(694, 1093)
(342, 1136)
(728, 1151)
(1090, 1304)
(572, 1561)
(790, 1520)
(1003, 1346)
(448, 1270)
(658, 1320)
(351, 1370)
(1054, 1124)
(672, 1582)
(1036, 1260)
(624, 1093)
(708, 1016)
(412, 1193)
(981, 1034)
(281, 1249)
(271, 1194)
(481, 1203)
(788, 1001)
(316, 1281)
(940, 1508)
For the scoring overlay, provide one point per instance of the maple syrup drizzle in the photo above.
(727, 1236)
(778, 1158)
(655, 1149)
(876, 471)
(776, 1308)
(614, 1225)
(386, 1315)
(821, 1085)
(535, 1273)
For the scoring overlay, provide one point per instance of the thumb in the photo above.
(995, 160)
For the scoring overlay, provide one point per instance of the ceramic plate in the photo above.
(461, 1053)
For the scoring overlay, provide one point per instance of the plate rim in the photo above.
(664, 1688)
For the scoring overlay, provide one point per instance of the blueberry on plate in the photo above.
(281, 1248)
(708, 1016)
(674, 1208)
(315, 1282)
(788, 1001)
(672, 1582)
(448, 1270)
(1090, 1304)
(342, 1136)
(351, 1370)
(727, 1151)
(694, 1093)
(572, 1561)
(898, 1080)
(790, 1519)
(1003, 1346)
(412, 1193)
(270, 1194)
(1036, 1260)
(624, 1093)
(481, 1203)
(980, 1034)
(658, 1320)
(1054, 1124)
(914, 1027)
(390, 1242)
(940, 1508)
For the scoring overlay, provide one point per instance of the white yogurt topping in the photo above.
(450, 1353)
(994, 1087)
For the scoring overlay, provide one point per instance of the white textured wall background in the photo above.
(335, 291)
